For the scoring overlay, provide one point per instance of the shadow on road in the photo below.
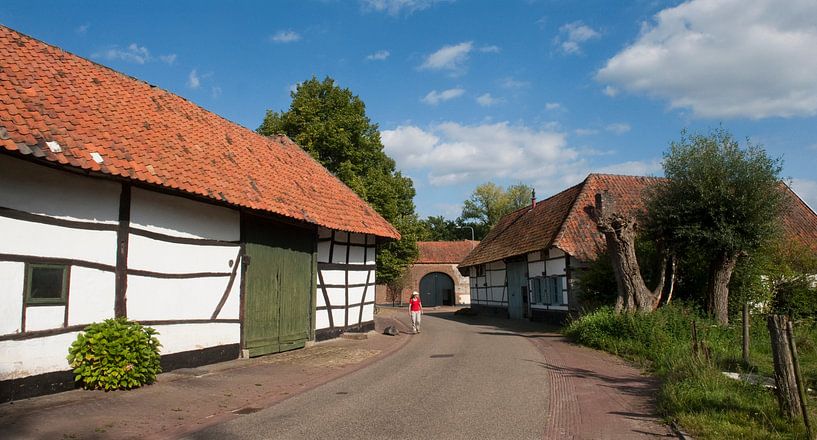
(502, 326)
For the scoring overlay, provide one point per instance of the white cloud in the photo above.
(807, 190)
(215, 91)
(450, 58)
(490, 49)
(454, 153)
(585, 131)
(193, 80)
(168, 59)
(511, 83)
(285, 36)
(132, 54)
(433, 97)
(380, 55)
(486, 100)
(553, 106)
(610, 91)
(618, 128)
(397, 7)
(573, 35)
(725, 59)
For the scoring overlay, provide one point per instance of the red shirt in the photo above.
(415, 304)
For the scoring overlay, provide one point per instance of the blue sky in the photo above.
(539, 92)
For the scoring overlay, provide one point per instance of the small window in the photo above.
(46, 284)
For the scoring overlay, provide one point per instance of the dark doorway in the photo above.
(437, 289)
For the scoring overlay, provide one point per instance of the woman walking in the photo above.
(415, 311)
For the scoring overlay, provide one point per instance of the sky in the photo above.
(540, 92)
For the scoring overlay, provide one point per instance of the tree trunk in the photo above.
(719, 276)
(620, 233)
(784, 377)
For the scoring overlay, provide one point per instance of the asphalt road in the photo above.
(453, 380)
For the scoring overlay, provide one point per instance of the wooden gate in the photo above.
(517, 275)
(279, 276)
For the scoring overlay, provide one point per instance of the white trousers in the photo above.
(415, 320)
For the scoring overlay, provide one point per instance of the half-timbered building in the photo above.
(120, 199)
(527, 264)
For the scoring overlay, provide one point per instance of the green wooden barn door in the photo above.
(278, 286)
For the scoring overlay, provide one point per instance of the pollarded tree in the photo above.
(330, 123)
(720, 200)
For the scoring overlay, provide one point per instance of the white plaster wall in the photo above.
(495, 265)
(34, 356)
(555, 252)
(324, 232)
(321, 319)
(323, 251)
(356, 255)
(185, 337)
(533, 256)
(91, 296)
(181, 217)
(166, 257)
(368, 311)
(339, 253)
(37, 239)
(357, 239)
(337, 296)
(341, 236)
(44, 317)
(231, 307)
(371, 255)
(40, 190)
(11, 296)
(338, 316)
(356, 293)
(536, 268)
(334, 277)
(556, 267)
(354, 313)
(359, 277)
(186, 298)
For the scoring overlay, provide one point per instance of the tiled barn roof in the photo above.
(563, 221)
(71, 112)
(444, 251)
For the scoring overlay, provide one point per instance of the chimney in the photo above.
(532, 198)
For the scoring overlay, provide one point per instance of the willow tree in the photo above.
(719, 201)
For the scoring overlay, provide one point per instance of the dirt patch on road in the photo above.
(323, 356)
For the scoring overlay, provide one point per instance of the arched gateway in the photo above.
(437, 289)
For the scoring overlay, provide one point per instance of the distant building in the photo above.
(526, 266)
(435, 275)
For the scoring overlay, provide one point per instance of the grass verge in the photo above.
(694, 392)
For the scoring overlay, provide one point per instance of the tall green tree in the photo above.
(719, 200)
(490, 202)
(330, 123)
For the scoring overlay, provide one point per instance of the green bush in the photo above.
(115, 354)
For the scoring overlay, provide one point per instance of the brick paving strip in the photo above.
(185, 401)
(594, 395)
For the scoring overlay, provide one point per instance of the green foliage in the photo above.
(438, 228)
(115, 354)
(330, 123)
(490, 202)
(693, 390)
(717, 196)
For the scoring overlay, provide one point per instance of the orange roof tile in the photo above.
(151, 136)
(563, 221)
(444, 251)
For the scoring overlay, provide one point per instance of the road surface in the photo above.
(453, 380)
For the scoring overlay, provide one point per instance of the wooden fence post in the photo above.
(784, 377)
(746, 334)
(801, 389)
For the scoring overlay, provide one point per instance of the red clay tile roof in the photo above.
(524, 230)
(152, 136)
(444, 251)
(564, 221)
